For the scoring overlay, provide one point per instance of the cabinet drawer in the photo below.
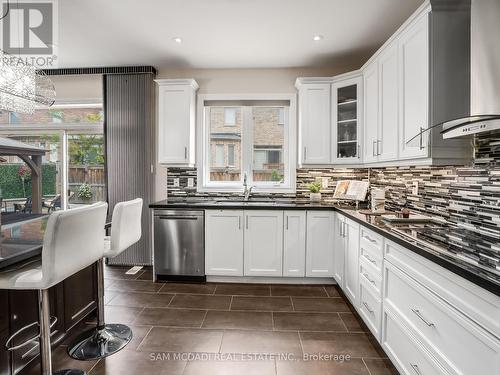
(462, 344)
(408, 356)
(371, 275)
(370, 309)
(480, 305)
(371, 255)
(372, 239)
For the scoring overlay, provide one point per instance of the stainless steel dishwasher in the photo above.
(179, 245)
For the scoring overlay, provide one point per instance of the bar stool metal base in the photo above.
(70, 372)
(100, 342)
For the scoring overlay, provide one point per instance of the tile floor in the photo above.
(240, 322)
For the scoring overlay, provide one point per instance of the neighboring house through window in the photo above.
(247, 137)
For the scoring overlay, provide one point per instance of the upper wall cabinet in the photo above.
(176, 121)
(381, 106)
(414, 84)
(417, 79)
(346, 120)
(314, 120)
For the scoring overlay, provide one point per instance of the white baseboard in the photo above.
(271, 280)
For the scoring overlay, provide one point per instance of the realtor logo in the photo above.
(29, 31)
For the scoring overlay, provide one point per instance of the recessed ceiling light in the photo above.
(317, 38)
(177, 39)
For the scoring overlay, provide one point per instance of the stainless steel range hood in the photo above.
(470, 125)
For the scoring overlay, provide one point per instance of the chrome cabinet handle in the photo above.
(247, 222)
(359, 151)
(415, 368)
(185, 152)
(422, 318)
(239, 222)
(287, 223)
(369, 239)
(345, 229)
(378, 150)
(305, 153)
(373, 148)
(368, 307)
(421, 145)
(368, 278)
(369, 259)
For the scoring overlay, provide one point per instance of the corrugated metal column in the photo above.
(129, 126)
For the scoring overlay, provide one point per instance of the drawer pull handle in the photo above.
(370, 259)
(370, 239)
(415, 368)
(368, 307)
(368, 278)
(419, 314)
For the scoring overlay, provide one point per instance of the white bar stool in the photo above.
(73, 240)
(107, 339)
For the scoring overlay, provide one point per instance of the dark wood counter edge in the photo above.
(487, 284)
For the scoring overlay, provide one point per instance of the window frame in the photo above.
(63, 130)
(289, 150)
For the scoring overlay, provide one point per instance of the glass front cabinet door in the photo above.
(346, 120)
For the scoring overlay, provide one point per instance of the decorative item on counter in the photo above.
(351, 190)
(405, 212)
(314, 188)
(378, 200)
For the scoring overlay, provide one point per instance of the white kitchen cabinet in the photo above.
(338, 250)
(320, 243)
(263, 243)
(224, 242)
(314, 121)
(371, 92)
(176, 121)
(381, 106)
(387, 141)
(294, 244)
(414, 88)
(347, 112)
(351, 277)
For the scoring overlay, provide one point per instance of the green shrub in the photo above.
(12, 185)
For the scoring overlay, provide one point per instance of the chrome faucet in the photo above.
(247, 190)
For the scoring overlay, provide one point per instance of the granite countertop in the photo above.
(486, 277)
(21, 240)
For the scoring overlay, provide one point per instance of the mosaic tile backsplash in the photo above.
(461, 194)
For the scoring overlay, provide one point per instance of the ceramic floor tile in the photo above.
(187, 288)
(230, 368)
(141, 299)
(352, 322)
(238, 320)
(235, 341)
(261, 303)
(243, 289)
(299, 290)
(298, 321)
(201, 301)
(356, 345)
(121, 314)
(134, 286)
(319, 304)
(138, 363)
(171, 317)
(163, 339)
(354, 366)
(380, 366)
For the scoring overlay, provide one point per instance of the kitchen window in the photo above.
(259, 144)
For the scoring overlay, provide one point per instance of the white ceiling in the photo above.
(225, 33)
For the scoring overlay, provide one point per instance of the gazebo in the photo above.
(32, 156)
